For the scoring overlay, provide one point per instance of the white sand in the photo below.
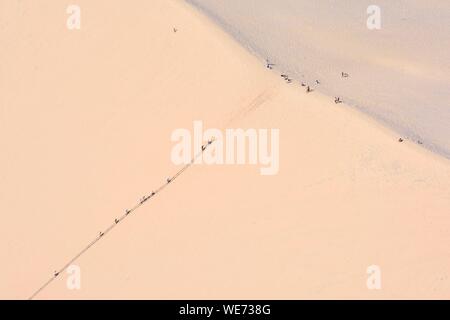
(85, 131)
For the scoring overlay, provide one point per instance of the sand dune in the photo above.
(398, 74)
(85, 126)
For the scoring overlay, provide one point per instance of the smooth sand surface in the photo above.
(85, 125)
(399, 74)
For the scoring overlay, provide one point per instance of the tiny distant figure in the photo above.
(344, 75)
(175, 30)
(153, 193)
(400, 140)
(101, 234)
(284, 76)
(419, 142)
(269, 65)
(169, 180)
(210, 141)
(203, 148)
(56, 273)
(288, 80)
(127, 212)
(308, 89)
(116, 221)
(337, 100)
(317, 82)
(303, 84)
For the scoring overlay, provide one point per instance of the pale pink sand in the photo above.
(85, 126)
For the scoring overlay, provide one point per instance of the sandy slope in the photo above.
(86, 119)
(398, 74)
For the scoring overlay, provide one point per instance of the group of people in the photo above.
(337, 100)
(142, 201)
